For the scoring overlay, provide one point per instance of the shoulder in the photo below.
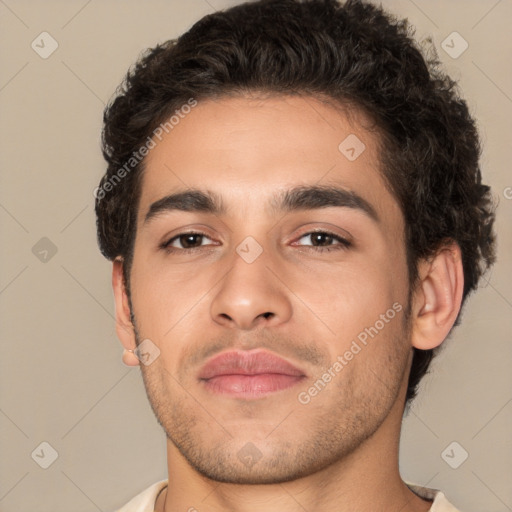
(145, 501)
(439, 501)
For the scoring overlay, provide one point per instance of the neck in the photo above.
(366, 480)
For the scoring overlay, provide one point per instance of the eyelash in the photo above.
(343, 243)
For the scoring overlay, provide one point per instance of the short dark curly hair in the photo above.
(353, 53)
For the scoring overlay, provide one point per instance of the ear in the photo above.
(124, 327)
(437, 298)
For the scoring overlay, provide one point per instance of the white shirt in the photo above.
(145, 501)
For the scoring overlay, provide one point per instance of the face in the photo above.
(275, 293)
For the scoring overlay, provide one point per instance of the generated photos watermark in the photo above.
(137, 156)
(356, 346)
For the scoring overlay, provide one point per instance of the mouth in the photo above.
(249, 374)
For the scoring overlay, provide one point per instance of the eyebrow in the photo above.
(298, 198)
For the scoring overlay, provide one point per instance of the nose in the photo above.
(251, 295)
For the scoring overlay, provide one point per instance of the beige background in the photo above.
(62, 380)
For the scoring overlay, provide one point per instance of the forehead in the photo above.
(247, 149)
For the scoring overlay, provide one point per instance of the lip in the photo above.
(249, 374)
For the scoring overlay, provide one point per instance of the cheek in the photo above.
(353, 295)
(153, 301)
(168, 301)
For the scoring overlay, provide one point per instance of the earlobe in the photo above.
(438, 297)
(124, 327)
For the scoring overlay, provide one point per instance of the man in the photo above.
(294, 211)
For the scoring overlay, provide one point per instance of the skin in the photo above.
(340, 450)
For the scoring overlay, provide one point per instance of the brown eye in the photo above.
(189, 241)
(323, 241)
(184, 241)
